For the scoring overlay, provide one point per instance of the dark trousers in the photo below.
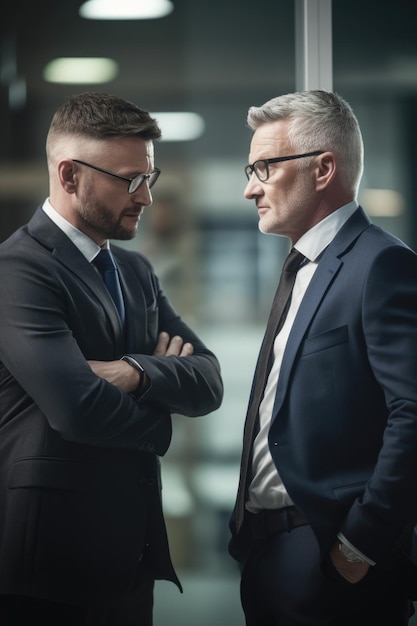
(283, 585)
(133, 609)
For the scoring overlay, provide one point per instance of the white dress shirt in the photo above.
(266, 490)
(85, 244)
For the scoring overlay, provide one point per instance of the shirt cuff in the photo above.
(347, 543)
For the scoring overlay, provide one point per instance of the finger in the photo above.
(175, 346)
(162, 344)
(187, 349)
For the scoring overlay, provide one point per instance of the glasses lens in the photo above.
(153, 177)
(261, 170)
(136, 182)
(248, 171)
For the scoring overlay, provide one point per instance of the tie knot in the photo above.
(293, 261)
(104, 261)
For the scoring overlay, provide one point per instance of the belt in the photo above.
(273, 521)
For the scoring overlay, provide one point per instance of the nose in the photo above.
(253, 187)
(143, 194)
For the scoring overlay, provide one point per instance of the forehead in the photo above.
(126, 155)
(125, 148)
(269, 140)
(129, 150)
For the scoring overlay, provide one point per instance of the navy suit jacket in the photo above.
(79, 466)
(344, 426)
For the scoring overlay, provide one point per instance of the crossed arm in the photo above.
(126, 377)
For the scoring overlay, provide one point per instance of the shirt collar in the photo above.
(315, 240)
(85, 244)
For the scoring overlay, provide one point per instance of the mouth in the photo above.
(133, 216)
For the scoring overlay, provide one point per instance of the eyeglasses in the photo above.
(261, 167)
(134, 183)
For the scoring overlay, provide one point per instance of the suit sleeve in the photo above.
(44, 364)
(190, 385)
(389, 312)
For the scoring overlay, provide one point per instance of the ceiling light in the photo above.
(80, 70)
(125, 9)
(180, 126)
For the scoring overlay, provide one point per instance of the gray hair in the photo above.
(318, 120)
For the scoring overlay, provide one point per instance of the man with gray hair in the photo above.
(326, 506)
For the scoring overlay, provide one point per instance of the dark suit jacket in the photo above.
(344, 426)
(79, 471)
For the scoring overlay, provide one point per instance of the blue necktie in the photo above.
(107, 268)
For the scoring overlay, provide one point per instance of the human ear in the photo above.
(326, 166)
(67, 174)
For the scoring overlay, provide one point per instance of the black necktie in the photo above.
(107, 268)
(276, 320)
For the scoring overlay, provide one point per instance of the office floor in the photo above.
(208, 600)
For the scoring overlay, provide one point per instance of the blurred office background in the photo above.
(211, 59)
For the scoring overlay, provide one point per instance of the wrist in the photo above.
(348, 554)
(140, 388)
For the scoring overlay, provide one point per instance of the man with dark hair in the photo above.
(93, 362)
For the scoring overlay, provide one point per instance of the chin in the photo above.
(124, 235)
(270, 229)
(265, 228)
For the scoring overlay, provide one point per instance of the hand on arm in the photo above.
(126, 377)
(172, 347)
(118, 373)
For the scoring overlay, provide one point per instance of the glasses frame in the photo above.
(250, 169)
(134, 183)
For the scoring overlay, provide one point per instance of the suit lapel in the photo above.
(61, 247)
(328, 267)
(135, 304)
